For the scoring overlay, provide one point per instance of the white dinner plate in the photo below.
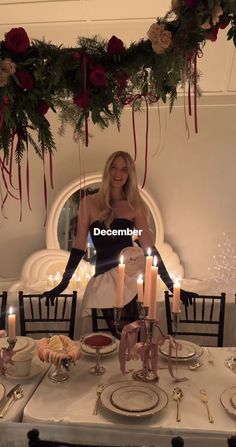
(135, 398)
(188, 350)
(22, 343)
(109, 391)
(34, 371)
(86, 349)
(233, 400)
(226, 400)
(2, 392)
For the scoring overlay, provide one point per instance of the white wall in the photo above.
(193, 180)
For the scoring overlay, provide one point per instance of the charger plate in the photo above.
(188, 350)
(113, 399)
(228, 398)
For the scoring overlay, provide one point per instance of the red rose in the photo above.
(212, 35)
(191, 3)
(25, 79)
(76, 56)
(17, 40)
(224, 21)
(43, 107)
(115, 46)
(81, 100)
(97, 76)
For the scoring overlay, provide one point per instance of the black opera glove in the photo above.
(186, 297)
(162, 271)
(73, 261)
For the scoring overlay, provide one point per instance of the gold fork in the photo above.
(100, 388)
(204, 399)
(18, 394)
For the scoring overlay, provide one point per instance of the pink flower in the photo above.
(8, 66)
(97, 76)
(160, 38)
(17, 40)
(115, 46)
(43, 107)
(3, 78)
(25, 79)
(81, 100)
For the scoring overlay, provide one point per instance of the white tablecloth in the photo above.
(38, 369)
(72, 403)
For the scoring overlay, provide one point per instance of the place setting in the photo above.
(228, 400)
(133, 399)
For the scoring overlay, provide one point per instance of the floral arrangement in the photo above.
(97, 79)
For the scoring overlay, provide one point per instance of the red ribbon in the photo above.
(45, 186)
(84, 65)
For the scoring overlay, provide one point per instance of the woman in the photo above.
(117, 206)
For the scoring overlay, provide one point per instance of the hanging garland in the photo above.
(95, 80)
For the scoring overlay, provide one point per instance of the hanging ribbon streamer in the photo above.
(146, 145)
(134, 132)
(51, 169)
(27, 177)
(84, 65)
(195, 92)
(20, 188)
(45, 186)
(185, 111)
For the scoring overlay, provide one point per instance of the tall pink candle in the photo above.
(120, 284)
(11, 325)
(176, 298)
(140, 288)
(153, 292)
(147, 285)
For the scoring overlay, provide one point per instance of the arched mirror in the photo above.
(67, 223)
(61, 227)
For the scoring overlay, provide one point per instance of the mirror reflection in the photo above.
(67, 223)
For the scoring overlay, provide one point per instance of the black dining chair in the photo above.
(35, 441)
(207, 310)
(3, 307)
(38, 318)
(99, 323)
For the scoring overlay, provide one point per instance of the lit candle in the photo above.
(11, 325)
(153, 291)
(88, 250)
(140, 288)
(50, 280)
(176, 297)
(120, 283)
(147, 282)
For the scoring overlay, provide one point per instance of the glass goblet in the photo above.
(97, 342)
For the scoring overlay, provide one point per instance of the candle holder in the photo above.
(175, 321)
(142, 310)
(117, 317)
(6, 355)
(146, 374)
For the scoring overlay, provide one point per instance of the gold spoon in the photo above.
(177, 396)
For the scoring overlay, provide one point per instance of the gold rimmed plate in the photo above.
(115, 394)
(228, 398)
(135, 398)
(186, 351)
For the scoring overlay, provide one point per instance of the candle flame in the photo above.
(149, 251)
(155, 261)
(10, 311)
(140, 277)
(122, 259)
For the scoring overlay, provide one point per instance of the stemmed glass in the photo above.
(97, 342)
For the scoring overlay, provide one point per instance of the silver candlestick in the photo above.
(6, 355)
(146, 374)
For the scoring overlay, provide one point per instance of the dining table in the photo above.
(28, 384)
(70, 404)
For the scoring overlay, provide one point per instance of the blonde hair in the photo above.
(130, 189)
